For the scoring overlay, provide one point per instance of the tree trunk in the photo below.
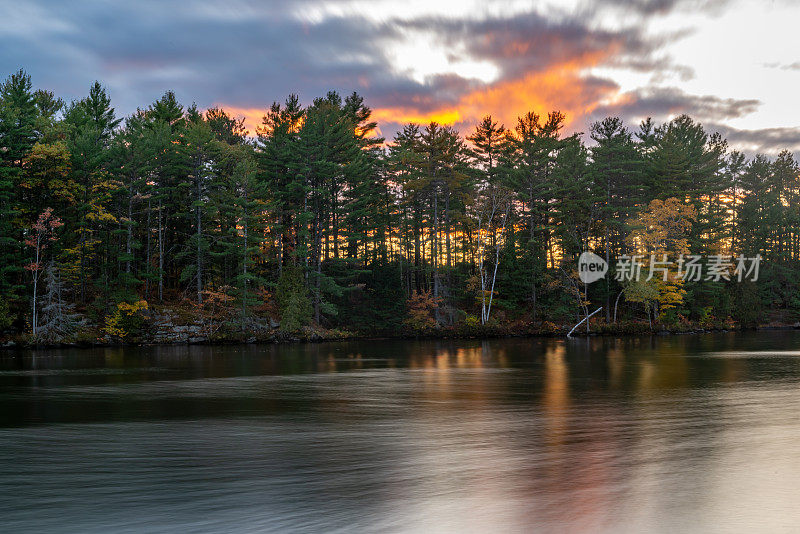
(147, 253)
(244, 264)
(160, 256)
(36, 283)
(435, 255)
(199, 243)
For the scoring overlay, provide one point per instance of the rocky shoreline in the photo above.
(163, 332)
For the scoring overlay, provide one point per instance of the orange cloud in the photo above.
(563, 87)
(252, 116)
(404, 115)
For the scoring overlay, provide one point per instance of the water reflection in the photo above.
(588, 435)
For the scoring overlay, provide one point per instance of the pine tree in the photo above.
(169, 172)
(18, 134)
(616, 171)
(90, 125)
(199, 145)
(240, 205)
(279, 165)
(535, 143)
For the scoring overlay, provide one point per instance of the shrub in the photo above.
(472, 321)
(126, 321)
(6, 317)
(292, 298)
(421, 308)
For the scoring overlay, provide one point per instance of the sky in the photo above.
(733, 65)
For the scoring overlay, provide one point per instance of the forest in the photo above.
(315, 223)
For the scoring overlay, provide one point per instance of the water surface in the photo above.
(672, 434)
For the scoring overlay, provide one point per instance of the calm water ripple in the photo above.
(679, 434)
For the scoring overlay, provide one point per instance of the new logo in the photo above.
(591, 267)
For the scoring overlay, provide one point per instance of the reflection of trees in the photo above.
(453, 371)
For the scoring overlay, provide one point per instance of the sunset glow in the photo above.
(730, 63)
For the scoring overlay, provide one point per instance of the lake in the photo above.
(662, 434)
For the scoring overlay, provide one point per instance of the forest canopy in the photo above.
(315, 221)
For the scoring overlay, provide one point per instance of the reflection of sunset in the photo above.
(615, 358)
(556, 400)
(438, 377)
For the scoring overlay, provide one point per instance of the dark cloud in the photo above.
(246, 54)
(662, 103)
(645, 6)
(141, 49)
(661, 7)
(770, 141)
(535, 42)
(784, 66)
(250, 53)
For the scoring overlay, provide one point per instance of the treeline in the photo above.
(314, 219)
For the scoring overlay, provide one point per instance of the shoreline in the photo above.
(317, 336)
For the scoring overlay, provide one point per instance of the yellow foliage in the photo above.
(48, 168)
(472, 321)
(116, 323)
(662, 229)
(671, 293)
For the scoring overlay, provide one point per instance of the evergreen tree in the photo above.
(90, 125)
(617, 172)
(319, 221)
(18, 134)
(58, 321)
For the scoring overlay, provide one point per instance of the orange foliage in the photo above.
(421, 307)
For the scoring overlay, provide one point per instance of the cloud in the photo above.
(250, 53)
(769, 141)
(415, 62)
(662, 103)
(561, 87)
(533, 41)
(783, 66)
(663, 7)
(544, 64)
(143, 49)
